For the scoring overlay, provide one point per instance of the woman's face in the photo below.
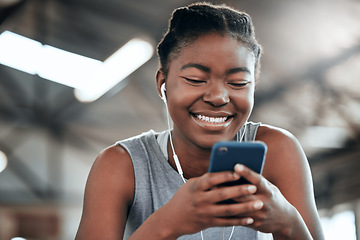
(210, 90)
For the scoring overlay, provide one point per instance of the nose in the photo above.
(217, 95)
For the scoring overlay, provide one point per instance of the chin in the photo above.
(209, 141)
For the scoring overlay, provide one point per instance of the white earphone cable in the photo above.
(176, 159)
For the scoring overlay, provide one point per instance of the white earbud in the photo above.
(163, 89)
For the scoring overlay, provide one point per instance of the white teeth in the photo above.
(211, 119)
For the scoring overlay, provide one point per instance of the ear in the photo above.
(160, 79)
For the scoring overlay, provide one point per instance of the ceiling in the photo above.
(309, 85)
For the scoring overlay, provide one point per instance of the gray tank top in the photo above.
(156, 182)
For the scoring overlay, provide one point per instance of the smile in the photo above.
(212, 122)
(211, 119)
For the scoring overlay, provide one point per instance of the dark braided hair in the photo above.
(189, 23)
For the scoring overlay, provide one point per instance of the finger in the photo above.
(236, 210)
(225, 222)
(246, 198)
(211, 180)
(250, 175)
(224, 193)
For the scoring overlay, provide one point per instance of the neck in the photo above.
(194, 161)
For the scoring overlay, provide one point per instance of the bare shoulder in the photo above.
(113, 158)
(284, 155)
(113, 169)
(270, 133)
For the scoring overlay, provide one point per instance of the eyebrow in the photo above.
(208, 70)
(195, 65)
(238, 69)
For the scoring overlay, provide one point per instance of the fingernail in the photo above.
(239, 167)
(258, 204)
(236, 176)
(249, 221)
(251, 189)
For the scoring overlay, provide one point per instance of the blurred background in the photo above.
(51, 132)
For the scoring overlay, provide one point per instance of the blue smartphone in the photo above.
(225, 155)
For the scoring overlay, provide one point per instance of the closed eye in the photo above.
(239, 84)
(194, 81)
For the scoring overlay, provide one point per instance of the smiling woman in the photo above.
(209, 89)
(139, 188)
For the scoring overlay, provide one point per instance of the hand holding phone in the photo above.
(225, 155)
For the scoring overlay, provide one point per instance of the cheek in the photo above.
(181, 96)
(244, 100)
(178, 103)
(244, 105)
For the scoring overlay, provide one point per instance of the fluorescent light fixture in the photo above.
(3, 161)
(66, 68)
(89, 77)
(116, 68)
(19, 52)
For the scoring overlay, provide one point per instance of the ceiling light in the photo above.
(66, 68)
(19, 52)
(48, 62)
(89, 77)
(116, 68)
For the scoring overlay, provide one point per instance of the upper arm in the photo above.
(287, 167)
(108, 195)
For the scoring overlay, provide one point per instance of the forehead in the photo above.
(215, 51)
